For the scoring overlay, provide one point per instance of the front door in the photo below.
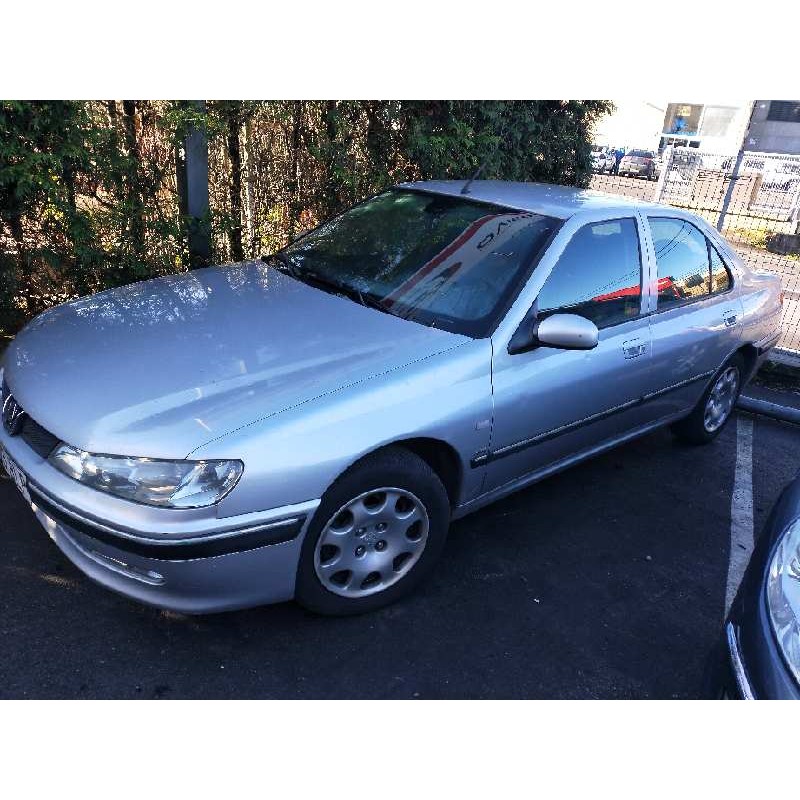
(550, 404)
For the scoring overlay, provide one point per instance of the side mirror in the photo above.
(567, 332)
(562, 331)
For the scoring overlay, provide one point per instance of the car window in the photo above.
(598, 275)
(685, 271)
(720, 277)
(682, 259)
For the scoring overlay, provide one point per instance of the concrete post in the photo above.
(663, 177)
(794, 217)
(735, 174)
(193, 190)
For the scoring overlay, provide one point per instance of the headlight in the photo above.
(783, 596)
(171, 484)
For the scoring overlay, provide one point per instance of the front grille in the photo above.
(40, 440)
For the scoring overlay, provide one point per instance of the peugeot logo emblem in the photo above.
(13, 416)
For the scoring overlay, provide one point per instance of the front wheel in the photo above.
(377, 532)
(715, 406)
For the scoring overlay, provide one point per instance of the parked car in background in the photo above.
(307, 426)
(639, 164)
(603, 159)
(758, 656)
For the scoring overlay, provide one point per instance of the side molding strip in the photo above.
(486, 457)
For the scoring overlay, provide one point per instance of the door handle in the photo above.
(634, 348)
(729, 317)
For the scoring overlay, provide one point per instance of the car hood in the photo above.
(161, 367)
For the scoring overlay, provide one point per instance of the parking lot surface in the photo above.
(607, 580)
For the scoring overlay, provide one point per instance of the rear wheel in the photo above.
(377, 532)
(714, 408)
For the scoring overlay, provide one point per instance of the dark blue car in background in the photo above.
(758, 656)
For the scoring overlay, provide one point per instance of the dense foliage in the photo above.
(89, 196)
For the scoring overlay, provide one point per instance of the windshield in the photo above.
(446, 262)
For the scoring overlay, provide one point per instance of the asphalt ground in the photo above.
(606, 581)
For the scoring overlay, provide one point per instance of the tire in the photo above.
(703, 425)
(377, 491)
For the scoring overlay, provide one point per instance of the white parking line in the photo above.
(741, 508)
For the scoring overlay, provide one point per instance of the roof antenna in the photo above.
(501, 134)
(465, 188)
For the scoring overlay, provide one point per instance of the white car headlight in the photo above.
(170, 484)
(783, 596)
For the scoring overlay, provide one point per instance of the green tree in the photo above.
(89, 189)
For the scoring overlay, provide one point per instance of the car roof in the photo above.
(541, 198)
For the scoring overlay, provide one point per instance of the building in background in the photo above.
(719, 127)
(775, 127)
(716, 127)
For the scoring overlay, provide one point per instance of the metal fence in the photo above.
(755, 203)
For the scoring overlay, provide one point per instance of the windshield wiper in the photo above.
(370, 300)
(365, 298)
(327, 284)
(284, 263)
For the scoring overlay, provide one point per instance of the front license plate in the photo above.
(15, 473)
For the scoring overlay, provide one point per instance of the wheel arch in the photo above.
(438, 454)
(442, 458)
(749, 353)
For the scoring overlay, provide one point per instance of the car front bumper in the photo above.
(256, 565)
(192, 563)
(735, 682)
(746, 663)
(746, 666)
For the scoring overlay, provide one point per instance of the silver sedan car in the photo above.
(307, 426)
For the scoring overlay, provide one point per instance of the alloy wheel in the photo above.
(721, 399)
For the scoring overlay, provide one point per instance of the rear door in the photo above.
(695, 324)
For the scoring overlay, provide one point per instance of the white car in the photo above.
(603, 159)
